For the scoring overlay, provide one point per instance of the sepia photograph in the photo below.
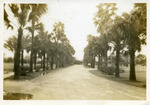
(75, 50)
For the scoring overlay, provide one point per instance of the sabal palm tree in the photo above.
(37, 11)
(57, 36)
(69, 54)
(43, 43)
(116, 37)
(91, 51)
(11, 44)
(135, 35)
(20, 12)
(103, 20)
(25, 44)
(6, 19)
(100, 50)
(36, 49)
(60, 45)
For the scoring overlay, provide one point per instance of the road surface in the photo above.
(74, 83)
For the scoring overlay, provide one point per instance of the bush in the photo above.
(141, 59)
(38, 68)
(102, 68)
(8, 59)
(110, 70)
(121, 70)
(78, 62)
(24, 70)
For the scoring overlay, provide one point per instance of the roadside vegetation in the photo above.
(45, 49)
(120, 37)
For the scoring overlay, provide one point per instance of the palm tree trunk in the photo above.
(14, 60)
(106, 58)
(22, 57)
(132, 65)
(35, 56)
(17, 55)
(52, 60)
(93, 61)
(112, 61)
(47, 61)
(43, 61)
(99, 62)
(105, 55)
(127, 60)
(117, 60)
(56, 64)
(62, 61)
(31, 56)
(59, 62)
(31, 62)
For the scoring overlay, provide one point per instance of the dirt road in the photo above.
(75, 83)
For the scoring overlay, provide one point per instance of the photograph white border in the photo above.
(74, 102)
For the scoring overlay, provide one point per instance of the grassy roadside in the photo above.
(124, 77)
(29, 76)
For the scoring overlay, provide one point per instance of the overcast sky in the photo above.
(78, 19)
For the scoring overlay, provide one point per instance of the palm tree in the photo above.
(44, 46)
(91, 50)
(37, 11)
(24, 46)
(36, 49)
(100, 50)
(60, 46)
(103, 20)
(57, 35)
(6, 19)
(135, 35)
(116, 37)
(11, 43)
(20, 12)
(43, 43)
(51, 49)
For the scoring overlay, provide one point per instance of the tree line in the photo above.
(118, 35)
(52, 48)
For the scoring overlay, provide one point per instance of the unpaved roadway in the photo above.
(75, 83)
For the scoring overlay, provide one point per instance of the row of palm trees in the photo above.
(118, 35)
(54, 46)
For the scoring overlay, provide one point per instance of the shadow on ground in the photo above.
(17, 96)
(33, 75)
(30, 75)
(120, 79)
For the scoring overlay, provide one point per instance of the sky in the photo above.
(77, 17)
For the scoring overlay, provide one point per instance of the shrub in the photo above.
(110, 70)
(8, 59)
(24, 70)
(121, 70)
(38, 68)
